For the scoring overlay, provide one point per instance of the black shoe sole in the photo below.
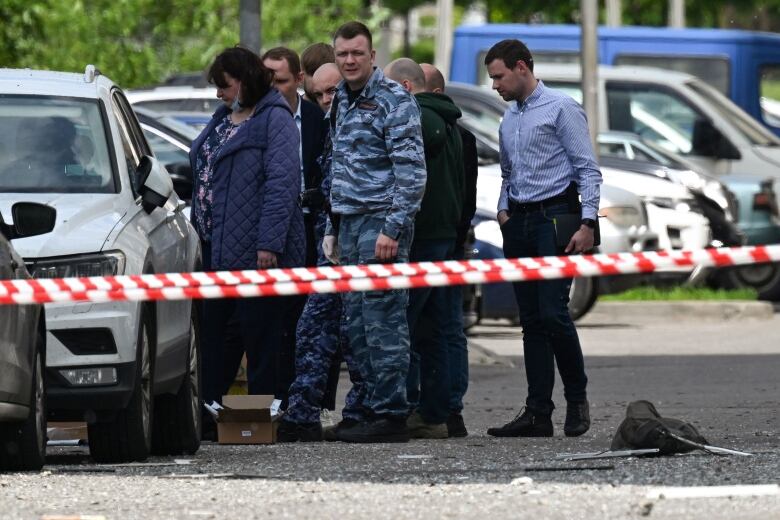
(575, 433)
(495, 433)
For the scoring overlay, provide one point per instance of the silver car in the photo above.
(22, 351)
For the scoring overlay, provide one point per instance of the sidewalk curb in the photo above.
(479, 355)
(677, 311)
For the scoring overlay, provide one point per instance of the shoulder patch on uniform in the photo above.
(367, 105)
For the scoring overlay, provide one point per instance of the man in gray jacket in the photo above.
(378, 183)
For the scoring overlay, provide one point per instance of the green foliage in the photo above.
(140, 42)
(679, 294)
(422, 52)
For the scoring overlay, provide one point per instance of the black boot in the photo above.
(577, 419)
(295, 432)
(455, 426)
(381, 429)
(525, 424)
(331, 433)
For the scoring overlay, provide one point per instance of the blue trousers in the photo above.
(428, 383)
(549, 335)
(456, 344)
(376, 320)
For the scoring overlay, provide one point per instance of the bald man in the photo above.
(324, 83)
(435, 232)
(434, 79)
(321, 333)
(456, 339)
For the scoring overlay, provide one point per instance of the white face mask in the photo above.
(236, 105)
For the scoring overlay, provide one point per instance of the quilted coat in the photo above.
(256, 184)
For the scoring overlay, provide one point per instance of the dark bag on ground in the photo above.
(644, 428)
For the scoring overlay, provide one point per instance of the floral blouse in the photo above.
(204, 172)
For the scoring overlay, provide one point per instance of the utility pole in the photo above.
(443, 36)
(677, 13)
(249, 24)
(614, 13)
(589, 10)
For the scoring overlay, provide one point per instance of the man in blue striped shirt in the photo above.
(546, 155)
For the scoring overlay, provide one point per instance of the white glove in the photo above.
(331, 250)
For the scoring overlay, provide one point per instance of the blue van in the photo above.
(742, 65)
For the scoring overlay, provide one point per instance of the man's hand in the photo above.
(386, 248)
(330, 248)
(502, 217)
(582, 241)
(266, 260)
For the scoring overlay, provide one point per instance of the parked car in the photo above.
(170, 141)
(130, 369)
(758, 192)
(22, 350)
(190, 105)
(624, 229)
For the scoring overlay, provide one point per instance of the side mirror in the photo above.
(156, 184)
(708, 141)
(30, 219)
(181, 175)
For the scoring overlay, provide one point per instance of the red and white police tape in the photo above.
(373, 277)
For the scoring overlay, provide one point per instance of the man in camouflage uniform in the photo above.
(321, 331)
(378, 183)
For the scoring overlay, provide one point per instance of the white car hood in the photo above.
(83, 222)
(644, 185)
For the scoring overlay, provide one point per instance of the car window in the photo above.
(655, 114)
(54, 145)
(750, 129)
(613, 150)
(769, 89)
(166, 151)
(205, 105)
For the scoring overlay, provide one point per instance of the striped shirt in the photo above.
(545, 145)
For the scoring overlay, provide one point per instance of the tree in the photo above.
(404, 7)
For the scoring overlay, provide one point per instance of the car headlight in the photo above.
(623, 216)
(100, 264)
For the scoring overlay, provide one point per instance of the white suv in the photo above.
(130, 369)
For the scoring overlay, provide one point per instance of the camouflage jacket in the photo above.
(378, 162)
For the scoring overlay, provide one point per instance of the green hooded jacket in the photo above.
(442, 203)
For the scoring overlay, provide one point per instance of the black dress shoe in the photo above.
(382, 429)
(577, 419)
(525, 424)
(331, 433)
(299, 432)
(455, 426)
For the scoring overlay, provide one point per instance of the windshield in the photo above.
(53, 145)
(747, 126)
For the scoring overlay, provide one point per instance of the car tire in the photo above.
(764, 278)
(127, 436)
(24, 444)
(582, 296)
(177, 421)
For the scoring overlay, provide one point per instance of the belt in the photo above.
(530, 207)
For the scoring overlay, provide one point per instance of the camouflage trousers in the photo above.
(376, 320)
(320, 334)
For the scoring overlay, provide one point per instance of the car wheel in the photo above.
(764, 278)
(177, 421)
(582, 296)
(24, 444)
(128, 435)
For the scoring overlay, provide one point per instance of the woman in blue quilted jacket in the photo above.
(245, 208)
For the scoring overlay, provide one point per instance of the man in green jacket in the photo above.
(435, 232)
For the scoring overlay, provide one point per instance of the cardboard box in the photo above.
(247, 419)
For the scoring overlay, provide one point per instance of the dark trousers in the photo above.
(257, 320)
(428, 382)
(549, 335)
(457, 344)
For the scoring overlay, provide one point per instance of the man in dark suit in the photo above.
(288, 77)
(310, 120)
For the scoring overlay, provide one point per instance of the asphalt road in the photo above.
(721, 377)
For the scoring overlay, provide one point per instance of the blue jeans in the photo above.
(428, 384)
(456, 344)
(376, 320)
(549, 335)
